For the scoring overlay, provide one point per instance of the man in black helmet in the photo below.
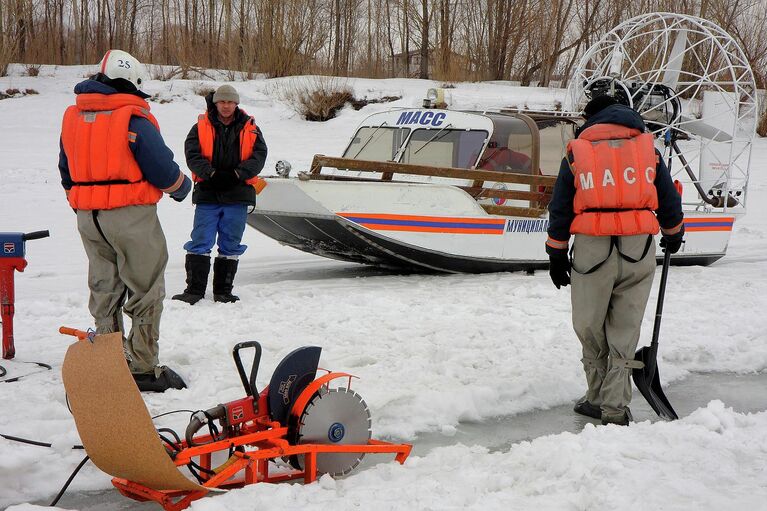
(613, 192)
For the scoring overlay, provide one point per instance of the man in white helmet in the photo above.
(115, 167)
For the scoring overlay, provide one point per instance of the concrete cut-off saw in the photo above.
(298, 426)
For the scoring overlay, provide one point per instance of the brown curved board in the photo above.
(113, 422)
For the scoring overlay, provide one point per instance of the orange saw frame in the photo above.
(255, 443)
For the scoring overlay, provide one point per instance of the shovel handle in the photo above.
(661, 294)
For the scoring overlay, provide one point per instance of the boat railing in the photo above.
(538, 197)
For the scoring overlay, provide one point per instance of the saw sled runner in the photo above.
(299, 419)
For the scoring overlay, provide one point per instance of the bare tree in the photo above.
(425, 19)
(522, 40)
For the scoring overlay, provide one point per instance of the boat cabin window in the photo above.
(376, 143)
(444, 148)
(555, 134)
(510, 148)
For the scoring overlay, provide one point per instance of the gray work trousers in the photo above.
(127, 255)
(608, 307)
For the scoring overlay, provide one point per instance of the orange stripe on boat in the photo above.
(708, 224)
(419, 218)
(435, 224)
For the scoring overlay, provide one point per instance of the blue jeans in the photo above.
(225, 221)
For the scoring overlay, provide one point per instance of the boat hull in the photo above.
(429, 227)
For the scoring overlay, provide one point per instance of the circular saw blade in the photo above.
(336, 417)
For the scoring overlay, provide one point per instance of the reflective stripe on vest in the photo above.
(95, 138)
(614, 172)
(206, 134)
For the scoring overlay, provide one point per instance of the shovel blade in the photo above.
(648, 384)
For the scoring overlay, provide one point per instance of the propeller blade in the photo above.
(674, 65)
(700, 128)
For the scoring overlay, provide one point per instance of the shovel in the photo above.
(647, 379)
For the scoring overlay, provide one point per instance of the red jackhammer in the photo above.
(12, 258)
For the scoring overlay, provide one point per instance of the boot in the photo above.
(224, 271)
(197, 270)
(584, 407)
(622, 419)
(168, 379)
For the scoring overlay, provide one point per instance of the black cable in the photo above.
(3, 372)
(174, 445)
(177, 438)
(168, 413)
(69, 481)
(33, 442)
(17, 378)
(213, 429)
(194, 473)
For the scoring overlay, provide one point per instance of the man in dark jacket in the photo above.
(225, 151)
(614, 193)
(115, 167)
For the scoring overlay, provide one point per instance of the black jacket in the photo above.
(227, 184)
(561, 212)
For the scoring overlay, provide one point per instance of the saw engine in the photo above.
(297, 427)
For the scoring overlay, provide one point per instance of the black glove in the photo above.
(559, 267)
(207, 175)
(183, 190)
(673, 242)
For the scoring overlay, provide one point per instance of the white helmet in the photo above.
(121, 64)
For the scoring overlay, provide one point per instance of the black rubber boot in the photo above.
(224, 271)
(168, 379)
(586, 408)
(197, 270)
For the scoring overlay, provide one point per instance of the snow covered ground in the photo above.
(431, 351)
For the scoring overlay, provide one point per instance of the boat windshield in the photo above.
(444, 148)
(376, 143)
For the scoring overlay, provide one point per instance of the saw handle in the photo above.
(36, 235)
(248, 383)
(73, 331)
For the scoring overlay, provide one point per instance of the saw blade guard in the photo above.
(290, 378)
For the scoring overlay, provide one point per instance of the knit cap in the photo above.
(226, 93)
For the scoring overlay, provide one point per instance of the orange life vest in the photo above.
(95, 137)
(614, 171)
(207, 134)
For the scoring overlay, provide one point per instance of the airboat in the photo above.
(456, 191)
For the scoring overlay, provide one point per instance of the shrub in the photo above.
(318, 98)
(163, 73)
(202, 89)
(17, 93)
(761, 128)
(155, 98)
(33, 69)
